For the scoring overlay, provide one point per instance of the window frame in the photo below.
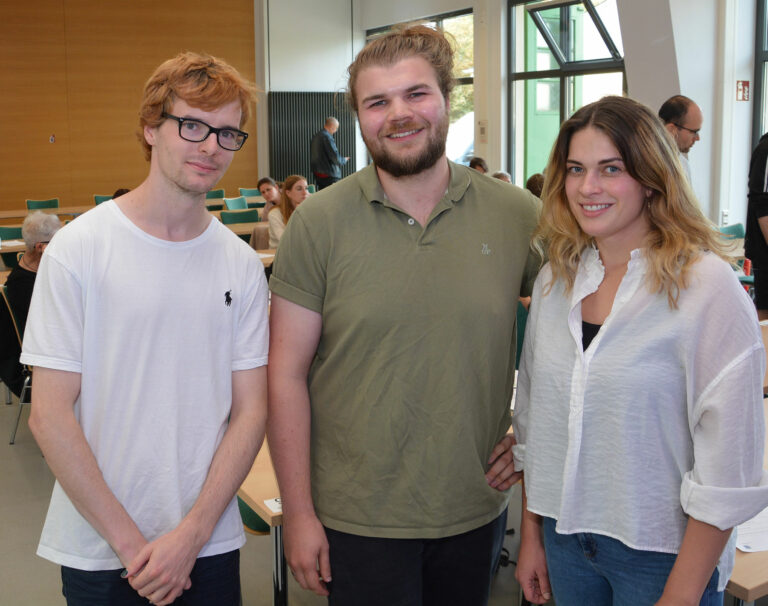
(567, 69)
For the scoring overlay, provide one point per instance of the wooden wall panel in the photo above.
(33, 104)
(106, 52)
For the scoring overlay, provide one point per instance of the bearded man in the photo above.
(392, 352)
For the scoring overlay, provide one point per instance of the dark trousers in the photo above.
(215, 580)
(323, 182)
(453, 571)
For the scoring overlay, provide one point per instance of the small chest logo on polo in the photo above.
(228, 298)
(486, 249)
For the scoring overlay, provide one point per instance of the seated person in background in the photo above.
(271, 194)
(502, 175)
(535, 184)
(294, 193)
(37, 230)
(478, 164)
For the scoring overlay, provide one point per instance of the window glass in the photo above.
(548, 83)
(462, 30)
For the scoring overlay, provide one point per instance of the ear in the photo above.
(671, 130)
(149, 134)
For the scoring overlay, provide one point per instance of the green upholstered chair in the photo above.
(249, 192)
(238, 203)
(10, 259)
(25, 397)
(734, 231)
(39, 204)
(311, 188)
(214, 207)
(214, 194)
(251, 521)
(98, 198)
(256, 204)
(240, 216)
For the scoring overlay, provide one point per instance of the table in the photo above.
(261, 485)
(61, 210)
(8, 246)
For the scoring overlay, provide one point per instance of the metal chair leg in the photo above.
(7, 395)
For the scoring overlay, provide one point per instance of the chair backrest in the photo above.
(311, 188)
(98, 198)
(240, 216)
(214, 194)
(214, 206)
(10, 233)
(735, 230)
(256, 204)
(249, 192)
(238, 203)
(38, 204)
(14, 319)
(10, 259)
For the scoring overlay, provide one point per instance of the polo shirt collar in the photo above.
(458, 184)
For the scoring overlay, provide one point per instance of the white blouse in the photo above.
(660, 418)
(276, 226)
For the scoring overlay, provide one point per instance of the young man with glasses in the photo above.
(683, 119)
(148, 334)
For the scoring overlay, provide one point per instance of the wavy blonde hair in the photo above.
(679, 232)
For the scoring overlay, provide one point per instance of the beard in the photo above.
(406, 165)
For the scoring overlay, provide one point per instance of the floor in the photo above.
(27, 580)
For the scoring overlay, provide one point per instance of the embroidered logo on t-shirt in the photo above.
(228, 298)
(486, 250)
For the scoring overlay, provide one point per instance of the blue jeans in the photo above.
(594, 570)
(453, 571)
(215, 580)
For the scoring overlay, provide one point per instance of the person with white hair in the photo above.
(37, 230)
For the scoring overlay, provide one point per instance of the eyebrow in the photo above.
(606, 161)
(408, 90)
(207, 124)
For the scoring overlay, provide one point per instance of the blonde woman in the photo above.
(639, 414)
(294, 193)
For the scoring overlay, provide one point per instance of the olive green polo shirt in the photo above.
(412, 380)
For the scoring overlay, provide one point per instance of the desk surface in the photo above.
(20, 213)
(261, 485)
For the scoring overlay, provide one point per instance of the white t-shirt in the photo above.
(156, 329)
(660, 418)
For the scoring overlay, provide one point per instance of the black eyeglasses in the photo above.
(196, 131)
(690, 130)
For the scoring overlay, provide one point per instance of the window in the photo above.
(461, 132)
(563, 54)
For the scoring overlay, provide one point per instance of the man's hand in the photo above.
(160, 571)
(306, 551)
(531, 572)
(502, 473)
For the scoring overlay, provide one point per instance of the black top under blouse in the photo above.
(588, 332)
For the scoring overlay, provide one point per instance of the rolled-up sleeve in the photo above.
(727, 484)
